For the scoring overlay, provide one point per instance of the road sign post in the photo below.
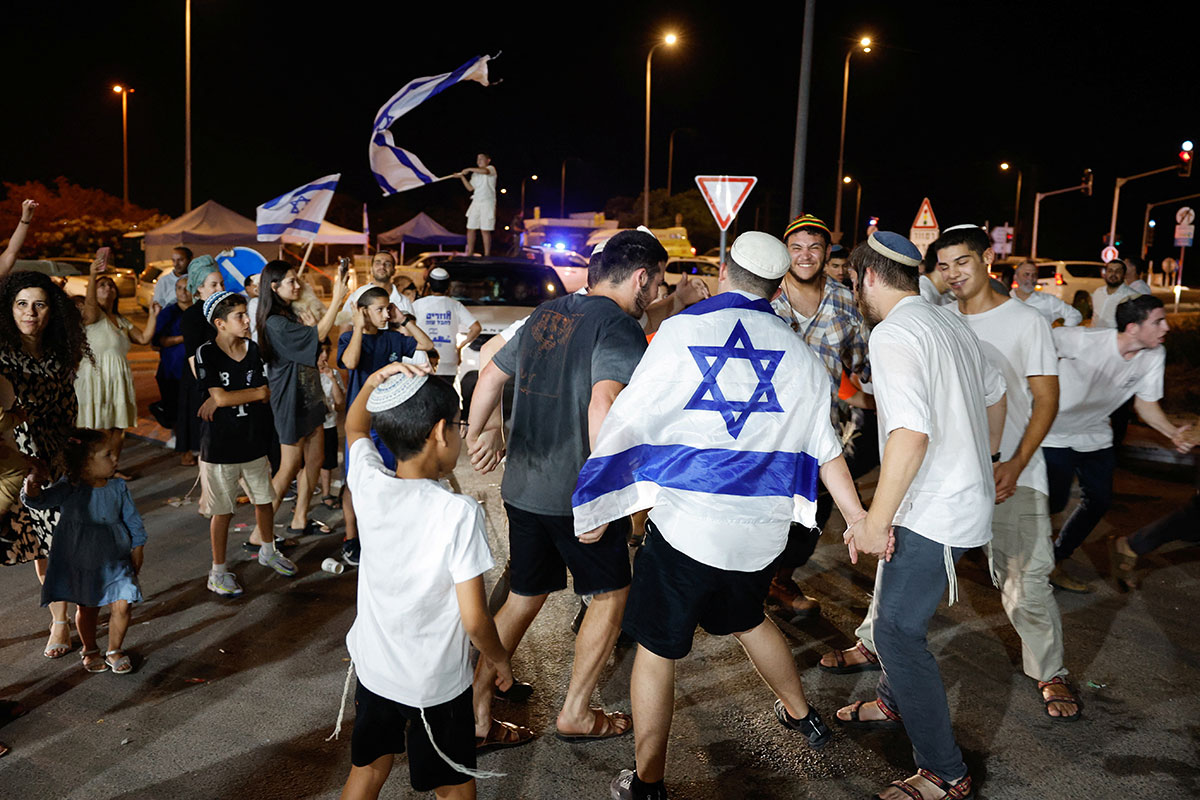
(725, 195)
(925, 230)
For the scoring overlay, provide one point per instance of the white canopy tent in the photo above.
(206, 229)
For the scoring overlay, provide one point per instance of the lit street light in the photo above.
(864, 44)
(669, 41)
(1005, 166)
(532, 178)
(124, 91)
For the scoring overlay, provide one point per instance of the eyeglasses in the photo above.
(463, 427)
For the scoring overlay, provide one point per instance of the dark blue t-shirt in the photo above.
(378, 350)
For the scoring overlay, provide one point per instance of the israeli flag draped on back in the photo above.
(300, 212)
(726, 419)
(394, 168)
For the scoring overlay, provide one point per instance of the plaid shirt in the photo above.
(836, 334)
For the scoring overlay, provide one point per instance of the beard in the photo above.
(870, 315)
(645, 297)
(1114, 281)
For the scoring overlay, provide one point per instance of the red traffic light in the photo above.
(1185, 162)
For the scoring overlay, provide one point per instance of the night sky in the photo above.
(284, 93)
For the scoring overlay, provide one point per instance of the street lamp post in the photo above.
(1016, 203)
(532, 178)
(865, 45)
(187, 105)
(668, 40)
(124, 92)
(847, 180)
(1112, 228)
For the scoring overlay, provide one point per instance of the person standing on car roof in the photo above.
(443, 318)
(481, 214)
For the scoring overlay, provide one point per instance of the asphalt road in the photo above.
(235, 698)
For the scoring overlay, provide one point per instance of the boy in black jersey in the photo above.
(234, 436)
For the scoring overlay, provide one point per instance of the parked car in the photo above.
(570, 266)
(1070, 281)
(72, 274)
(498, 291)
(145, 288)
(705, 268)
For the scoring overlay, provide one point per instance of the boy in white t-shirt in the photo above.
(421, 601)
(443, 318)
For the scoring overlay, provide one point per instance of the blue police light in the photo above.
(1187, 146)
(1153, 223)
(559, 246)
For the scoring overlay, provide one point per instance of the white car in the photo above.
(1070, 281)
(699, 266)
(72, 274)
(570, 266)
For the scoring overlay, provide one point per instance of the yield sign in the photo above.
(725, 195)
(925, 218)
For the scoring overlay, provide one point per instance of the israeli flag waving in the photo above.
(300, 212)
(721, 430)
(396, 169)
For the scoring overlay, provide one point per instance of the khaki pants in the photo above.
(1022, 556)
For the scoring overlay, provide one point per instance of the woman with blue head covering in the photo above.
(203, 281)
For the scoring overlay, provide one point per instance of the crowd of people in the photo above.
(714, 435)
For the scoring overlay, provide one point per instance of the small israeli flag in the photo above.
(394, 168)
(300, 212)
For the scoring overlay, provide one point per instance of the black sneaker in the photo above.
(811, 727)
(351, 549)
(290, 495)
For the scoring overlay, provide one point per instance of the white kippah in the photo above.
(967, 226)
(394, 391)
(761, 254)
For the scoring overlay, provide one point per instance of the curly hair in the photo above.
(64, 338)
(81, 443)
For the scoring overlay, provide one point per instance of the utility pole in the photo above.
(806, 46)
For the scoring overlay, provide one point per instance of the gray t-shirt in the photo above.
(297, 400)
(567, 345)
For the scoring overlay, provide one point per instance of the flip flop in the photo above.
(891, 723)
(604, 726)
(517, 693)
(4, 749)
(311, 528)
(280, 543)
(503, 734)
(331, 502)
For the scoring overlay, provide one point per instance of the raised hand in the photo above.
(27, 209)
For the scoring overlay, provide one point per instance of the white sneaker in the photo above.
(620, 786)
(223, 583)
(277, 562)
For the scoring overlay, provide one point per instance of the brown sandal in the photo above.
(1070, 697)
(503, 734)
(605, 725)
(891, 719)
(956, 791)
(842, 668)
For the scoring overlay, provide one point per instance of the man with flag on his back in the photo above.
(722, 432)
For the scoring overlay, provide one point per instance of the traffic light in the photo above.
(1088, 177)
(1185, 159)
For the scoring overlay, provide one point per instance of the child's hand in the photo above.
(136, 556)
(207, 409)
(504, 676)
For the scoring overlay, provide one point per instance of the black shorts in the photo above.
(542, 548)
(673, 593)
(331, 448)
(383, 727)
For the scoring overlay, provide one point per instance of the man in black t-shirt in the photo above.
(570, 360)
(235, 435)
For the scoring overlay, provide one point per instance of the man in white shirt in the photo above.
(1017, 341)
(481, 214)
(1098, 371)
(383, 267)
(1135, 275)
(444, 318)
(711, 544)
(1045, 303)
(941, 416)
(1106, 299)
(164, 287)
(931, 285)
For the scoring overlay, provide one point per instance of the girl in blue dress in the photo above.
(96, 553)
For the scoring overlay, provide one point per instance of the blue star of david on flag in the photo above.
(711, 360)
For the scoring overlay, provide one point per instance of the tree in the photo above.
(689, 206)
(72, 220)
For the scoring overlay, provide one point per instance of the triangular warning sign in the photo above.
(725, 195)
(925, 219)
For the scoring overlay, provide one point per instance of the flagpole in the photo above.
(307, 250)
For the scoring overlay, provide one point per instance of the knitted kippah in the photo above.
(806, 221)
(895, 247)
(394, 391)
(210, 305)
